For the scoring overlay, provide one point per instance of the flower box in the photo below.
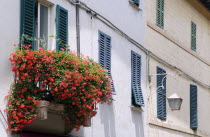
(54, 124)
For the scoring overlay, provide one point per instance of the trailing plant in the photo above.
(60, 77)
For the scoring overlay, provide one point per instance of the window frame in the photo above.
(37, 26)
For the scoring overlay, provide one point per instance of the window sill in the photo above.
(134, 5)
(138, 109)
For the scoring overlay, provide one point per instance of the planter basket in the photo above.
(42, 110)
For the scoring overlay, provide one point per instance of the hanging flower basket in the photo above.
(45, 77)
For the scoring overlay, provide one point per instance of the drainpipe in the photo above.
(78, 27)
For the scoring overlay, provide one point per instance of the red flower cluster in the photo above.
(60, 77)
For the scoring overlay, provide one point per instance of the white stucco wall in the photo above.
(116, 119)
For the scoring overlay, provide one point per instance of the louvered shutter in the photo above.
(61, 28)
(161, 93)
(27, 24)
(193, 107)
(136, 79)
(136, 2)
(193, 36)
(160, 13)
(105, 54)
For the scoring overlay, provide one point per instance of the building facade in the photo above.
(177, 35)
(154, 49)
(95, 21)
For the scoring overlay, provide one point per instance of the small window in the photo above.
(136, 91)
(193, 36)
(160, 14)
(193, 107)
(161, 93)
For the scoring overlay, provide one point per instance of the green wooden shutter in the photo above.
(136, 2)
(61, 28)
(105, 54)
(27, 24)
(137, 96)
(193, 107)
(193, 36)
(160, 14)
(161, 93)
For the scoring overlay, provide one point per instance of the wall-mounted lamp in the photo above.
(175, 102)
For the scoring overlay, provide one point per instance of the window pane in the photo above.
(43, 22)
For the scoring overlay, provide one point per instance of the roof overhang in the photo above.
(202, 6)
(206, 3)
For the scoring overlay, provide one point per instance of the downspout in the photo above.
(78, 27)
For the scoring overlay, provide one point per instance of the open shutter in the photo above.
(193, 36)
(136, 2)
(161, 93)
(193, 107)
(136, 79)
(61, 28)
(105, 54)
(160, 13)
(27, 24)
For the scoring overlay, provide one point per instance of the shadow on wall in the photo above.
(108, 119)
(137, 118)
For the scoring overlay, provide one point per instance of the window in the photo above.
(34, 22)
(105, 54)
(160, 14)
(42, 25)
(61, 28)
(161, 93)
(193, 36)
(193, 107)
(135, 2)
(137, 97)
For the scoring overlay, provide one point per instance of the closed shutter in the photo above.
(136, 2)
(160, 13)
(193, 107)
(27, 24)
(61, 28)
(161, 93)
(105, 54)
(193, 36)
(137, 96)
